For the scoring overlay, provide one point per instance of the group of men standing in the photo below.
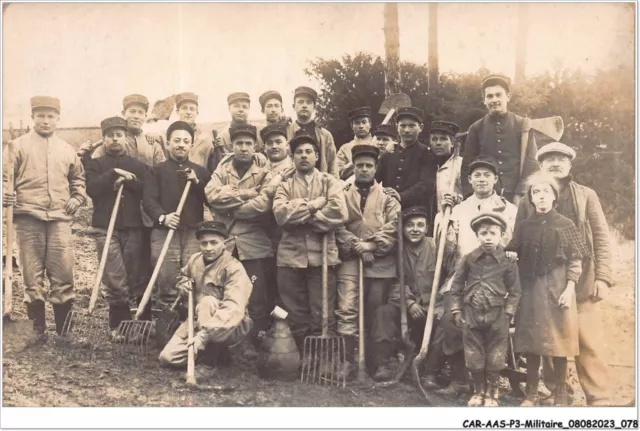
(273, 194)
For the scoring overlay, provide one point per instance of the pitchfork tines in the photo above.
(321, 359)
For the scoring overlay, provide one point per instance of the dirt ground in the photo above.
(49, 376)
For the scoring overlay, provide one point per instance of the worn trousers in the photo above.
(263, 299)
(183, 245)
(376, 293)
(45, 246)
(301, 294)
(122, 275)
(175, 353)
(485, 335)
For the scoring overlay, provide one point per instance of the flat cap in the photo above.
(234, 97)
(412, 112)
(186, 97)
(211, 227)
(414, 212)
(365, 111)
(386, 129)
(484, 161)
(555, 147)
(243, 129)
(488, 217)
(270, 129)
(45, 102)
(268, 95)
(179, 125)
(364, 150)
(496, 79)
(301, 137)
(447, 127)
(111, 122)
(135, 98)
(306, 90)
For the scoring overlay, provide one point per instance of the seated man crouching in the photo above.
(221, 290)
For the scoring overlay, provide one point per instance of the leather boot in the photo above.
(479, 387)
(492, 392)
(561, 398)
(384, 370)
(117, 314)
(459, 382)
(36, 312)
(146, 315)
(60, 313)
(531, 392)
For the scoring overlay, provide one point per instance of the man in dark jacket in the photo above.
(162, 192)
(104, 177)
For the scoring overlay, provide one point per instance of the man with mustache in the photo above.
(49, 187)
(276, 148)
(498, 135)
(271, 107)
(360, 120)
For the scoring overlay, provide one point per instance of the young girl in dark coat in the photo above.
(550, 250)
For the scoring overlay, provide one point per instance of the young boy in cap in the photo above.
(370, 235)
(499, 135)
(360, 120)
(307, 206)
(162, 192)
(442, 145)
(202, 149)
(304, 104)
(240, 196)
(271, 107)
(105, 174)
(221, 290)
(49, 187)
(385, 137)
(485, 291)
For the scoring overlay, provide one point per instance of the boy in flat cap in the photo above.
(202, 150)
(385, 137)
(442, 141)
(369, 234)
(48, 189)
(581, 205)
(304, 104)
(271, 107)
(485, 291)
(162, 191)
(307, 206)
(499, 134)
(105, 174)
(221, 291)
(240, 196)
(360, 120)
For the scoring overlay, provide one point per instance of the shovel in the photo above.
(133, 335)
(391, 104)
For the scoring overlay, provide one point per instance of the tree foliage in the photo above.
(598, 113)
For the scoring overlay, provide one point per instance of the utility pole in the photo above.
(433, 47)
(391, 49)
(521, 41)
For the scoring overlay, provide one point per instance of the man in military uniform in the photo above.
(361, 125)
(499, 135)
(239, 108)
(202, 150)
(304, 104)
(271, 107)
(385, 137)
(276, 147)
(442, 144)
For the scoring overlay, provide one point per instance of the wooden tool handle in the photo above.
(404, 322)
(387, 118)
(325, 261)
(163, 254)
(361, 346)
(105, 250)
(7, 151)
(191, 359)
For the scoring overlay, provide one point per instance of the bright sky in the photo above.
(90, 55)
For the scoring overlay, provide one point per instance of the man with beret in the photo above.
(221, 290)
(304, 104)
(271, 107)
(307, 206)
(582, 205)
(105, 174)
(385, 137)
(442, 144)
(49, 187)
(361, 125)
(410, 170)
(202, 150)
(162, 191)
(370, 235)
(240, 196)
(499, 135)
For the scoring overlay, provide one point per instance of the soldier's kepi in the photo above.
(271, 107)
(201, 152)
(360, 120)
(276, 148)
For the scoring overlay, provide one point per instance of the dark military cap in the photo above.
(270, 129)
(186, 97)
(486, 161)
(233, 97)
(243, 129)
(386, 129)
(211, 227)
(364, 150)
(45, 102)
(268, 95)
(488, 217)
(414, 212)
(111, 122)
(306, 90)
(179, 125)
(135, 98)
(302, 137)
(447, 127)
(496, 79)
(360, 112)
(412, 112)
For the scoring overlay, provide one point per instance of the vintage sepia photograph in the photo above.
(320, 205)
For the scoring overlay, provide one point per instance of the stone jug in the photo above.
(278, 357)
